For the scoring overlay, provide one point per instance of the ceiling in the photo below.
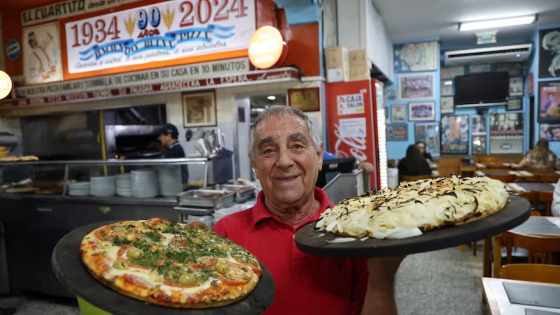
(416, 19)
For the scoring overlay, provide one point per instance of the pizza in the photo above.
(170, 264)
(415, 207)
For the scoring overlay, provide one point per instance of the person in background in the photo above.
(168, 137)
(422, 147)
(414, 163)
(367, 167)
(286, 153)
(539, 157)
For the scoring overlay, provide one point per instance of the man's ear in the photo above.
(253, 166)
(320, 153)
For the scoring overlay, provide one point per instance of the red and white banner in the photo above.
(163, 31)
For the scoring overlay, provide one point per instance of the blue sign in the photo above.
(13, 49)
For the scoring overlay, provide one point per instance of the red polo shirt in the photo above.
(305, 284)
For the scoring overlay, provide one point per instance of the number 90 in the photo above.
(154, 18)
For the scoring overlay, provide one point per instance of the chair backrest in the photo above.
(488, 159)
(405, 178)
(531, 272)
(533, 169)
(547, 178)
(506, 178)
(544, 197)
(541, 248)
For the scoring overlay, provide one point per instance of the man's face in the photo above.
(421, 147)
(165, 140)
(285, 160)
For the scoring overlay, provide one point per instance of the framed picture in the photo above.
(548, 53)
(416, 57)
(513, 68)
(479, 127)
(452, 72)
(199, 109)
(514, 104)
(398, 113)
(447, 105)
(307, 100)
(455, 134)
(550, 132)
(397, 132)
(479, 145)
(516, 86)
(480, 68)
(42, 56)
(390, 94)
(419, 86)
(549, 102)
(429, 134)
(446, 87)
(421, 111)
(506, 133)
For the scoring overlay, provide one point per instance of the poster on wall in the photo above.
(446, 88)
(455, 134)
(479, 145)
(350, 104)
(416, 57)
(199, 109)
(447, 105)
(42, 61)
(397, 132)
(429, 134)
(163, 31)
(549, 53)
(390, 94)
(421, 111)
(549, 102)
(416, 86)
(516, 86)
(550, 132)
(506, 133)
(479, 125)
(398, 113)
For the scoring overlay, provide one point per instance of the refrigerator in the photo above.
(356, 124)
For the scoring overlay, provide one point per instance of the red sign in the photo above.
(267, 48)
(184, 85)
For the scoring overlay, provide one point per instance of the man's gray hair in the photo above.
(282, 110)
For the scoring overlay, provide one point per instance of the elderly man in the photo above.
(287, 154)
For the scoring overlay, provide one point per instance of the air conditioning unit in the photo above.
(500, 54)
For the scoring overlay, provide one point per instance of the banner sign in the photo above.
(199, 70)
(163, 31)
(59, 10)
(276, 75)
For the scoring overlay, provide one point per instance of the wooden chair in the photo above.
(532, 169)
(488, 159)
(541, 248)
(547, 178)
(543, 197)
(506, 178)
(405, 178)
(531, 272)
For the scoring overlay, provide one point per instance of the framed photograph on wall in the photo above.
(455, 134)
(446, 87)
(479, 127)
(421, 111)
(42, 56)
(390, 94)
(199, 109)
(506, 133)
(398, 113)
(418, 86)
(307, 100)
(479, 145)
(429, 134)
(548, 53)
(397, 132)
(516, 86)
(549, 102)
(447, 105)
(514, 104)
(550, 132)
(416, 57)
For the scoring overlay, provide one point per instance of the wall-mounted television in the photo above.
(482, 89)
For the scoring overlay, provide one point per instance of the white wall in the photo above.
(361, 27)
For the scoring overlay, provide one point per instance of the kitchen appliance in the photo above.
(356, 120)
(132, 141)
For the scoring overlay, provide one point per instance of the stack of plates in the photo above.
(79, 189)
(103, 186)
(224, 212)
(144, 184)
(170, 181)
(206, 219)
(124, 185)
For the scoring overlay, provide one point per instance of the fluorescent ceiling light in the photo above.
(480, 25)
(272, 97)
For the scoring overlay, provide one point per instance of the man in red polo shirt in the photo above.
(287, 154)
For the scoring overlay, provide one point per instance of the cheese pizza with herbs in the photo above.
(170, 264)
(415, 207)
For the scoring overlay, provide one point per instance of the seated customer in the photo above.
(422, 146)
(414, 164)
(539, 157)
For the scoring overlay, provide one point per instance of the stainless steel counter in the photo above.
(116, 200)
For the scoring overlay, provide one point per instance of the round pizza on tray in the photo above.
(171, 264)
(412, 208)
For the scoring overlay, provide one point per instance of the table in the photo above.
(496, 172)
(520, 187)
(499, 302)
(543, 226)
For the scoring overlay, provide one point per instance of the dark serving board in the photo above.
(516, 211)
(73, 274)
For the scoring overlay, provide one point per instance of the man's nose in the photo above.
(284, 158)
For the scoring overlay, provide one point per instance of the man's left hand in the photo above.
(367, 167)
(380, 296)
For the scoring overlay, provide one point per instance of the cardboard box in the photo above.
(359, 58)
(359, 73)
(336, 58)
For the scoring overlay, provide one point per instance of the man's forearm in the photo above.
(380, 300)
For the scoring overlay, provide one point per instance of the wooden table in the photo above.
(499, 302)
(522, 187)
(544, 226)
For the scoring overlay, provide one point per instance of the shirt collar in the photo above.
(260, 212)
(173, 144)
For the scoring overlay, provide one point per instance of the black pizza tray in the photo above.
(515, 212)
(73, 274)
